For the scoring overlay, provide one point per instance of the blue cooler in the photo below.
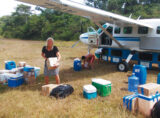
(141, 72)
(133, 83)
(9, 65)
(15, 80)
(89, 92)
(28, 69)
(77, 64)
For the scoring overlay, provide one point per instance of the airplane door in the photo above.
(105, 39)
(92, 36)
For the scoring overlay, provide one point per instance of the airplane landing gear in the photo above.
(122, 66)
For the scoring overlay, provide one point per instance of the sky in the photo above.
(8, 6)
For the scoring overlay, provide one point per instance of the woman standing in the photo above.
(50, 51)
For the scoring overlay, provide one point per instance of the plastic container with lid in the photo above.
(89, 91)
(133, 83)
(103, 86)
(77, 64)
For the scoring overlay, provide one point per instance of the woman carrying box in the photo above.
(49, 51)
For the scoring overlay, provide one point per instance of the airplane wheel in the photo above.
(123, 66)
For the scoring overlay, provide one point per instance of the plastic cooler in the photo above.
(9, 65)
(28, 69)
(141, 72)
(103, 86)
(146, 103)
(77, 64)
(15, 80)
(89, 92)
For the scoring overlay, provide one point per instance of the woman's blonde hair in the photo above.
(50, 38)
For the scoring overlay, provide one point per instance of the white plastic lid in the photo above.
(76, 59)
(101, 81)
(89, 89)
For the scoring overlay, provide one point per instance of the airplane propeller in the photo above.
(75, 43)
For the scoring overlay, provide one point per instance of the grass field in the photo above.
(26, 101)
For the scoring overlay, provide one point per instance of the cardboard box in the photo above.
(29, 77)
(149, 89)
(46, 89)
(52, 63)
(146, 103)
(131, 102)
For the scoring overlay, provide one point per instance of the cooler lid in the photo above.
(76, 59)
(101, 81)
(89, 88)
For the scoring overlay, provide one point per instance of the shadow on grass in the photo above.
(69, 75)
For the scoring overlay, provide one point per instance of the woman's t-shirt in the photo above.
(51, 53)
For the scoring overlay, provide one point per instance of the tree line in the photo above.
(62, 26)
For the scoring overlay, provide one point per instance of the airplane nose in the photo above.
(84, 38)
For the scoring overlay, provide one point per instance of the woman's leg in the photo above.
(57, 79)
(46, 78)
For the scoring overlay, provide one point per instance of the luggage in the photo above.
(62, 91)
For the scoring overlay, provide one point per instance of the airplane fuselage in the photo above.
(132, 37)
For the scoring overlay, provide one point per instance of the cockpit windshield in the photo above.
(100, 30)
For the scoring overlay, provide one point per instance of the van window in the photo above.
(127, 30)
(142, 30)
(117, 30)
(158, 30)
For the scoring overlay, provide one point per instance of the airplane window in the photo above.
(142, 30)
(158, 30)
(109, 29)
(127, 30)
(117, 30)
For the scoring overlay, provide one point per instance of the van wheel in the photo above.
(122, 66)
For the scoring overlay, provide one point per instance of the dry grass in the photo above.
(26, 101)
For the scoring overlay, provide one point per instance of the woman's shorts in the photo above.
(52, 72)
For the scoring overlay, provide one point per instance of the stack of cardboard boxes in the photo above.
(144, 100)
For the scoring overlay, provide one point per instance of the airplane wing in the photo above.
(91, 13)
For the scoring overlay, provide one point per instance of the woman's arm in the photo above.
(58, 56)
(43, 55)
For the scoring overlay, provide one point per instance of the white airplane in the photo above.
(122, 38)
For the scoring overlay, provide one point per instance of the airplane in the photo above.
(121, 38)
